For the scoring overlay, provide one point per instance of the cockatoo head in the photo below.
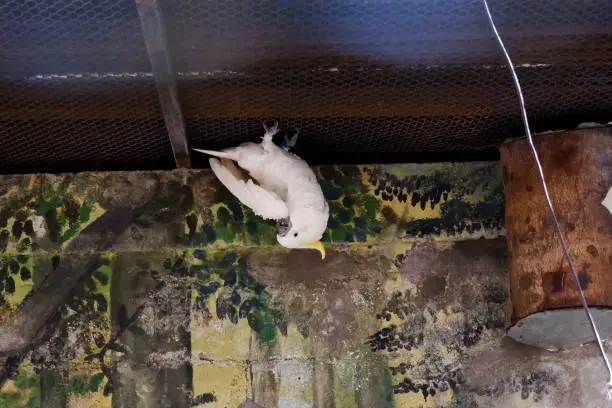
(303, 229)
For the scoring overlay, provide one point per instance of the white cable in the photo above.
(549, 201)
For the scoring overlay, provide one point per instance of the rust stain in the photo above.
(583, 276)
(553, 281)
(528, 235)
(605, 229)
(592, 251)
(526, 282)
(565, 159)
(506, 175)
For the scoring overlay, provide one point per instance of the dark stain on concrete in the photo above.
(392, 339)
(532, 386)
(430, 386)
(522, 374)
(472, 335)
(493, 249)
(433, 286)
(479, 291)
(306, 267)
(328, 290)
(496, 293)
(130, 189)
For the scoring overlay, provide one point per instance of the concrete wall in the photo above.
(158, 289)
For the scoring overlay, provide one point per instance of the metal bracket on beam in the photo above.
(154, 33)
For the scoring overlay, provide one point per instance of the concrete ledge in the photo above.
(144, 211)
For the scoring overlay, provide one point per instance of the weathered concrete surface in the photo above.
(159, 289)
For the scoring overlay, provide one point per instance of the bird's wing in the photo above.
(263, 202)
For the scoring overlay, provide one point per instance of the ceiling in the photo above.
(364, 81)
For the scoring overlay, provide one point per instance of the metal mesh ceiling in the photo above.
(372, 81)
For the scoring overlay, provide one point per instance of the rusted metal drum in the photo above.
(546, 308)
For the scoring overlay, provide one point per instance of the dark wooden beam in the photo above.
(154, 34)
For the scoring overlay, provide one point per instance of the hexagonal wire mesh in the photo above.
(364, 81)
(77, 91)
(379, 81)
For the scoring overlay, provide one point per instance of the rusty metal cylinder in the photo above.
(546, 308)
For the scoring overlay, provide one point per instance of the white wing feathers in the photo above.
(264, 203)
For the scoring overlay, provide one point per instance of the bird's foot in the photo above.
(270, 131)
(289, 143)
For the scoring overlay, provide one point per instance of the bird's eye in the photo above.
(295, 234)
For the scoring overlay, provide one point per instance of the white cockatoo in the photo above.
(287, 189)
(607, 201)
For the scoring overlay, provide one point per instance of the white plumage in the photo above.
(287, 189)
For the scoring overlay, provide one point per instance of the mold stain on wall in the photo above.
(160, 289)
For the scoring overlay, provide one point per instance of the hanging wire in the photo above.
(549, 201)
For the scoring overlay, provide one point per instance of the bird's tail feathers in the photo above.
(224, 155)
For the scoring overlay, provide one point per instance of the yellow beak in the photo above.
(315, 245)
